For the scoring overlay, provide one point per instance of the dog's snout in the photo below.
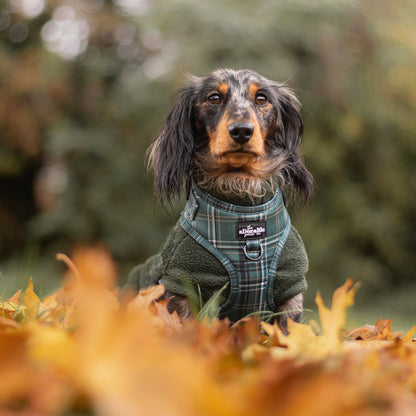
(241, 131)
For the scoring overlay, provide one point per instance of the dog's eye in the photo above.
(261, 98)
(214, 99)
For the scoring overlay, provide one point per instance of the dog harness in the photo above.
(247, 240)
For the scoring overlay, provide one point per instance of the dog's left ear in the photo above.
(170, 154)
(289, 131)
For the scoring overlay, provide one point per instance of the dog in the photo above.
(232, 143)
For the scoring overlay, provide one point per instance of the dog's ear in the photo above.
(288, 134)
(170, 154)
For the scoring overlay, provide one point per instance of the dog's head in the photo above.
(233, 130)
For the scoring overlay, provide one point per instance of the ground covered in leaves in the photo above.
(80, 351)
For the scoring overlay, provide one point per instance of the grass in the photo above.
(15, 273)
(398, 305)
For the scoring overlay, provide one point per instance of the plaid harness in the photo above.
(247, 240)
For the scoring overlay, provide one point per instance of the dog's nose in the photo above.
(241, 131)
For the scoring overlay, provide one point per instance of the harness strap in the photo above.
(247, 240)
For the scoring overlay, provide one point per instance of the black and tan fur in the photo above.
(195, 138)
(237, 133)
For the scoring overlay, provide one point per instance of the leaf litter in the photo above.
(82, 351)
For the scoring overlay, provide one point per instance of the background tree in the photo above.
(84, 87)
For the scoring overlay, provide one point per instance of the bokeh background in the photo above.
(85, 85)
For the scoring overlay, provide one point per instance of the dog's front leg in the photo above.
(180, 304)
(292, 309)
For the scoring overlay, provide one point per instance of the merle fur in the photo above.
(174, 150)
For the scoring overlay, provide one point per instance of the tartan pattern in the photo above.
(212, 223)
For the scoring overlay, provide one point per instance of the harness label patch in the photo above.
(248, 230)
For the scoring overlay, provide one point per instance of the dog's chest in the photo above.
(247, 240)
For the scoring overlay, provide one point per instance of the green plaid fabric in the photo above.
(247, 240)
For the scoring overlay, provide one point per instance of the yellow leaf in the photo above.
(52, 345)
(58, 308)
(408, 336)
(302, 339)
(12, 307)
(11, 310)
(139, 359)
(333, 320)
(31, 301)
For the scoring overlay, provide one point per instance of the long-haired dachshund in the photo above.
(232, 143)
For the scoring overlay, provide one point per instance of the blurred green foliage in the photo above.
(84, 87)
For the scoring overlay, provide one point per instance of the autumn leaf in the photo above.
(15, 370)
(8, 323)
(332, 320)
(304, 339)
(381, 331)
(12, 310)
(408, 336)
(23, 305)
(31, 301)
(78, 351)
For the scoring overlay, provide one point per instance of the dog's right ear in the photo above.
(170, 155)
(288, 134)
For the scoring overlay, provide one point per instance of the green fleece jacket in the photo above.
(183, 265)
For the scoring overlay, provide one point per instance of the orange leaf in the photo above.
(16, 297)
(408, 336)
(381, 331)
(172, 321)
(8, 323)
(302, 339)
(332, 320)
(146, 297)
(12, 310)
(31, 301)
